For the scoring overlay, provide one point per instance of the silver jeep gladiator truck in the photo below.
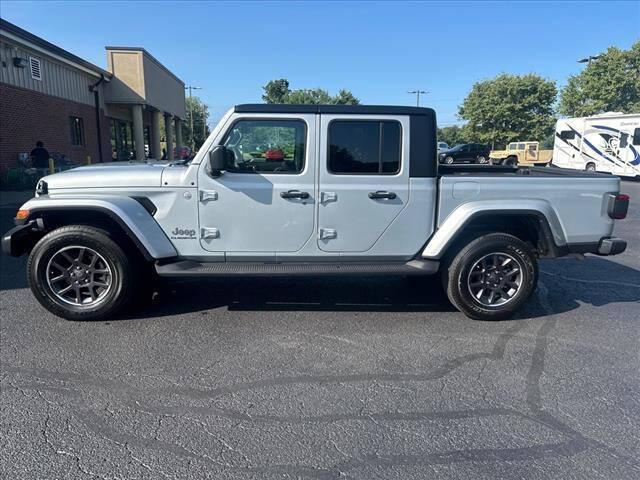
(310, 190)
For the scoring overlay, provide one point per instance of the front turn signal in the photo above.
(22, 214)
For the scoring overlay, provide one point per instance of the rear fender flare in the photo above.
(457, 220)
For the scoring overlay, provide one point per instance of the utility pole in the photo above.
(417, 93)
(192, 139)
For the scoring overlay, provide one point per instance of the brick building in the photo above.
(80, 111)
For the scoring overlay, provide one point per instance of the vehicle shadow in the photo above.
(564, 285)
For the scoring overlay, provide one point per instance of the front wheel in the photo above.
(448, 160)
(491, 277)
(80, 273)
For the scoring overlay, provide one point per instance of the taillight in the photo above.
(619, 207)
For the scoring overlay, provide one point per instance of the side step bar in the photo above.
(188, 268)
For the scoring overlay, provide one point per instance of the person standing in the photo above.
(39, 156)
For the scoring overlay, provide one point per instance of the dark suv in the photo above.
(465, 153)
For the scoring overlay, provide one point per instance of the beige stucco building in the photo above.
(81, 112)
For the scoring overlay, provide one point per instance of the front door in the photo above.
(364, 180)
(264, 202)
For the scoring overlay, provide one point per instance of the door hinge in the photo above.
(209, 233)
(326, 197)
(328, 233)
(206, 195)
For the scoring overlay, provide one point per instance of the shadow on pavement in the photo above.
(566, 284)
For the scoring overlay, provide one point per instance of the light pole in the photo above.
(192, 140)
(417, 94)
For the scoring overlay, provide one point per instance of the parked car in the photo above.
(465, 153)
(442, 146)
(352, 197)
(521, 153)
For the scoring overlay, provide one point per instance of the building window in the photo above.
(36, 68)
(364, 147)
(77, 131)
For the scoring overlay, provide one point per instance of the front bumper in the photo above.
(19, 239)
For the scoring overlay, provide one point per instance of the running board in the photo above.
(188, 268)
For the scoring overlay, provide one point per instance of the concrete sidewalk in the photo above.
(11, 198)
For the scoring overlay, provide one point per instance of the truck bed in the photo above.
(574, 202)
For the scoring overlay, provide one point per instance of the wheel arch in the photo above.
(123, 217)
(541, 229)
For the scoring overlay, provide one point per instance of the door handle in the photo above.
(294, 194)
(381, 194)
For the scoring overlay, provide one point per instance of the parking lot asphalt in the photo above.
(332, 378)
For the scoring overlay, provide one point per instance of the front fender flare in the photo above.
(128, 213)
(465, 213)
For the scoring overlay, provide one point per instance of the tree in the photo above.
(508, 108)
(200, 111)
(609, 83)
(452, 135)
(278, 91)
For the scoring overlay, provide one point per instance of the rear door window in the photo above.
(364, 147)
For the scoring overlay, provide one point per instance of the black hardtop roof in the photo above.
(351, 109)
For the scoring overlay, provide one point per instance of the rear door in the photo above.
(363, 179)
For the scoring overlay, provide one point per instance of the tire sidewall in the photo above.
(458, 288)
(49, 245)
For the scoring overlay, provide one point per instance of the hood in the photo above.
(108, 175)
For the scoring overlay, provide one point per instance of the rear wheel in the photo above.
(590, 167)
(481, 159)
(491, 277)
(79, 273)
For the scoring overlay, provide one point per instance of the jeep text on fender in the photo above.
(310, 190)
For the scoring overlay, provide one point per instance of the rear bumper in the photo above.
(606, 246)
(19, 239)
(611, 246)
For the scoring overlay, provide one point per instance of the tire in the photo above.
(481, 159)
(510, 161)
(590, 167)
(448, 160)
(52, 268)
(465, 272)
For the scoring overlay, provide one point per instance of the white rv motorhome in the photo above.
(609, 142)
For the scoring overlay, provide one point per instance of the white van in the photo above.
(609, 142)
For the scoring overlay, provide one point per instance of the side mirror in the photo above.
(217, 160)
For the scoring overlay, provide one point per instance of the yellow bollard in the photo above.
(88, 159)
(52, 166)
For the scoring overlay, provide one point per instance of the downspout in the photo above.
(96, 98)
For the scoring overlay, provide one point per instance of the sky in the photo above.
(378, 50)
